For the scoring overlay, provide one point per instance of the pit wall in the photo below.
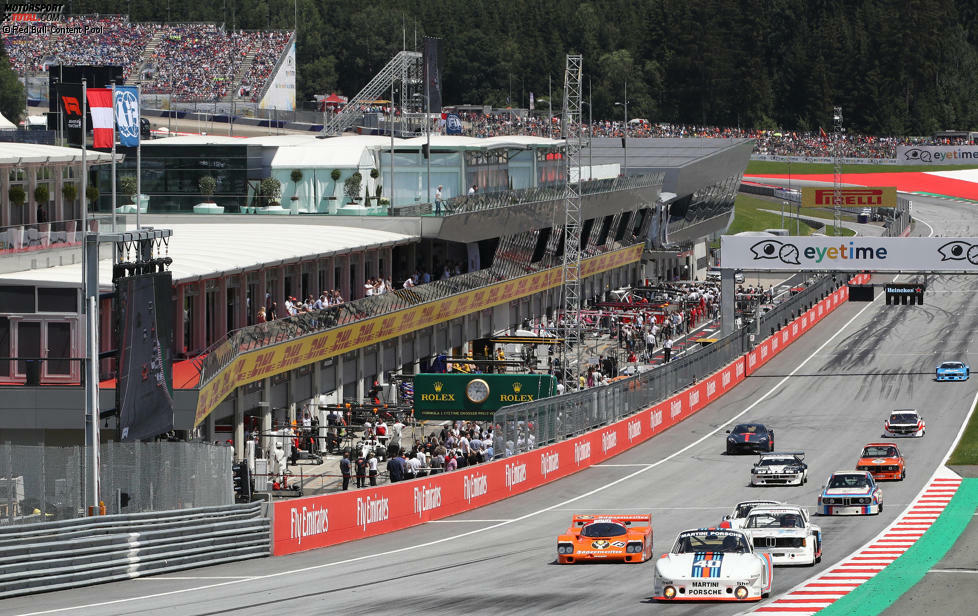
(320, 521)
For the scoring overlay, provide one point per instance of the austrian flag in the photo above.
(100, 104)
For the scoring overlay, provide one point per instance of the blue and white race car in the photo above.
(953, 371)
(713, 564)
(850, 493)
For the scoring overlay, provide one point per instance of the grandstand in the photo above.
(196, 62)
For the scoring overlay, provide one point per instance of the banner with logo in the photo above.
(318, 521)
(432, 73)
(476, 397)
(870, 196)
(936, 154)
(850, 253)
(72, 107)
(453, 124)
(126, 111)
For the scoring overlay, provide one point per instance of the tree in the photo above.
(41, 194)
(127, 185)
(91, 193)
(17, 195)
(12, 93)
(207, 186)
(70, 192)
(271, 190)
(296, 177)
(351, 187)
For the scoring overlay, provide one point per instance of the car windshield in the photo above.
(749, 429)
(710, 541)
(603, 529)
(849, 481)
(745, 508)
(903, 418)
(776, 461)
(952, 365)
(775, 520)
(879, 451)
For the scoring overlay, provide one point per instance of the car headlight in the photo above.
(565, 548)
(669, 592)
(741, 592)
(865, 501)
(731, 439)
(633, 548)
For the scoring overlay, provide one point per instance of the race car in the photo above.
(780, 469)
(850, 493)
(904, 422)
(953, 371)
(882, 461)
(712, 564)
(625, 538)
(786, 533)
(750, 437)
(741, 511)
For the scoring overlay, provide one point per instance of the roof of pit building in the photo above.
(209, 249)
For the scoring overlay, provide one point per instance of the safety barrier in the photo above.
(71, 553)
(320, 521)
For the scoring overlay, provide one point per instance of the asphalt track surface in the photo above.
(826, 394)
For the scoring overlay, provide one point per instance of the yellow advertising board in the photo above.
(868, 196)
(259, 364)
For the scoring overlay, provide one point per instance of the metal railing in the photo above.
(522, 427)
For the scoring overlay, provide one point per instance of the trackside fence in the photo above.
(522, 427)
(70, 553)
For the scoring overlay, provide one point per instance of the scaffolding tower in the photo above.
(407, 67)
(573, 137)
(838, 131)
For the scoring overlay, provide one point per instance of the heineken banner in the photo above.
(476, 396)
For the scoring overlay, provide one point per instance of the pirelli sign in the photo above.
(873, 196)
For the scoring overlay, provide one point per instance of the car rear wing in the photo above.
(627, 520)
(798, 455)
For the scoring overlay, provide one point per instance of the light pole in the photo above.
(624, 141)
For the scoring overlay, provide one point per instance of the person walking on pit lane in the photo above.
(666, 350)
(372, 469)
(345, 470)
(361, 472)
(395, 472)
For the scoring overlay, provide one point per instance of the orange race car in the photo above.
(625, 538)
(883, 461)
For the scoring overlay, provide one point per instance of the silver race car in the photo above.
(780, 469)
(786, 533)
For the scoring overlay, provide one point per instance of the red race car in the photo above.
(625, 538)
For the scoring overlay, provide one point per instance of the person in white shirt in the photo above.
(372, 468)
(438, 198)
(408, 283)
(473, 189)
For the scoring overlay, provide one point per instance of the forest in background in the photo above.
(897, 67)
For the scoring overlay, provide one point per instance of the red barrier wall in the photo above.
(320, 521)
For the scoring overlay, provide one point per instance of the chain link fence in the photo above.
(522, 427)
(40, 483)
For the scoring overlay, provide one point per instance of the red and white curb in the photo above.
(818, 592)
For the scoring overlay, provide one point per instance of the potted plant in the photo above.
(69, 192)
(296, 177)
(17, 195)
(271, 190)
(351, 188)
(335, 174)
(42, 194)
(91, 194)
(207, 186)
(127, 186)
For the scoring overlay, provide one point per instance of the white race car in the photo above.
(712, 564)
(850, 493)
(740, 512)
(780, 469)
(786, 533)
(904, 422)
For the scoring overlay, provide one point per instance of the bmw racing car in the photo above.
(750, 437)
(786, 533)
(953, 371)
(742, 510)
(850, 493)
(625, 538)
(883, 461)
(904, 422)
(712, 564)
(780, 469)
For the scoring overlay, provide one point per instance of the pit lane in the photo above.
(500, 559)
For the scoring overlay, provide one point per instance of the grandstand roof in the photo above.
(15, 154)
(207, 249)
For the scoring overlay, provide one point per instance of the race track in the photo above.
(826, 394)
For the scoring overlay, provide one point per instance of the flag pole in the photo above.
(90, 287)
(114, 227)
(139, 157)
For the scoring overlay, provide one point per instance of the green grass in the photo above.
(967, 450)
(749, 217)
(763, 167)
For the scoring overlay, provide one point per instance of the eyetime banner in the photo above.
(878, 254)
(876, 196)
(936, 154)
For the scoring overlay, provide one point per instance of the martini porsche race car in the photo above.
(904, 422)
(786, 533)
(712, 564)
(742, 510)
(850, 493)
(780, 469)
(625, 538)
(750, 437)
(883, 461)
(953, 371)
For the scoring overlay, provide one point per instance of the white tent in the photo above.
(6, 124)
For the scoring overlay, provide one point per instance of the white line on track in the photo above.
(532, 514)
(619, 465)
(931, 234)
(462, 521)
(215, 577)
(953, 571)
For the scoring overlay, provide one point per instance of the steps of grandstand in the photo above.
(243, 69)
(146, 58)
